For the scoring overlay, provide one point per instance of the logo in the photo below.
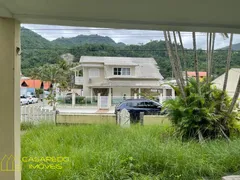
(7, 164)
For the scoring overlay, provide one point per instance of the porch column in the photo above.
(164, 94)
(173, 93)
(110, 97)
(139, 91)
(91, 91)
(161, 98)
(73, 99)
(10, 98)
(135, 95)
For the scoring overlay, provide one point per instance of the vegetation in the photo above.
(112, 152)
(37, 51)
(84, 39)
(202, 114)
(26, 125)
(200, 111)
(58, 74)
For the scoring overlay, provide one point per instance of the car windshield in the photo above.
(156, 103)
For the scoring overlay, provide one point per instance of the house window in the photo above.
(94, 72)
(121, 71)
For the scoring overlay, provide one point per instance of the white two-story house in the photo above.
(118, 76)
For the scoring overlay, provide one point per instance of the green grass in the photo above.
(26, 125)
(109, 152)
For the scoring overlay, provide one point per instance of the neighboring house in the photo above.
(119, 76)
(35, 84)
(233, 75)
(193, 74)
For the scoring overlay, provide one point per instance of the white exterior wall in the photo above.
(10, 101)
(120, 91)
(109, 70)
(94, 80)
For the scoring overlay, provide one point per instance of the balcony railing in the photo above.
(78, 80)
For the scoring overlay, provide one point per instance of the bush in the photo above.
(80, 100)
(201, 115)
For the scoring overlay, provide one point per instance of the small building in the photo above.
(35, 84)
(202, 74)
(119, 76)
(28, 86)
(233, 75)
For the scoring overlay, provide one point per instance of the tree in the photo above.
(179, 66)
(195, 59)
(183, 54)
(235, 97)
(56, 74)
(228, 62)
(173, 61)
(198, 116)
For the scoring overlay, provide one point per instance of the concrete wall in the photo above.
(86, 119)
(120, 91)
(155, 120)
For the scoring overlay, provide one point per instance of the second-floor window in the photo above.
(121, 71)
(94, 72)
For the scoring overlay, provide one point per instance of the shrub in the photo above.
(80, 100)
(201, 115)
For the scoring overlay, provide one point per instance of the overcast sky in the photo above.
(51, 32)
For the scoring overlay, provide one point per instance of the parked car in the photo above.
(135, 106)
(23, 100)
(32, 99)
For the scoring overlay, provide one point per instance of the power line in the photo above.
(104, 29)
(160, 50)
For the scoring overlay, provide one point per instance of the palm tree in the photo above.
(228, 62)
(172, 61)
(210, 50)
(53, 73)
(183, 53)
(195, 60)
(212, 53)
(178, 62)
(235, 97)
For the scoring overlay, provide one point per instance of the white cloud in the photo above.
(51, 32)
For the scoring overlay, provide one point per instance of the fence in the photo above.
(79, 100)
(36, 113)
(93, 101)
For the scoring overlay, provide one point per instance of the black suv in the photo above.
(135, 106)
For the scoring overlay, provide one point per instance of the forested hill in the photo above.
(84, 39)
(34, 40)
(235, 47)
(30, 39)
(37, 51)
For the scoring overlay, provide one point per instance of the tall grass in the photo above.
(109, 152)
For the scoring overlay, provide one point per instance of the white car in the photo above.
(32, 99)
(23, 100)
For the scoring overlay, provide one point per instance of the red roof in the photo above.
(47, 85)
(193, 74)
(35, 83)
